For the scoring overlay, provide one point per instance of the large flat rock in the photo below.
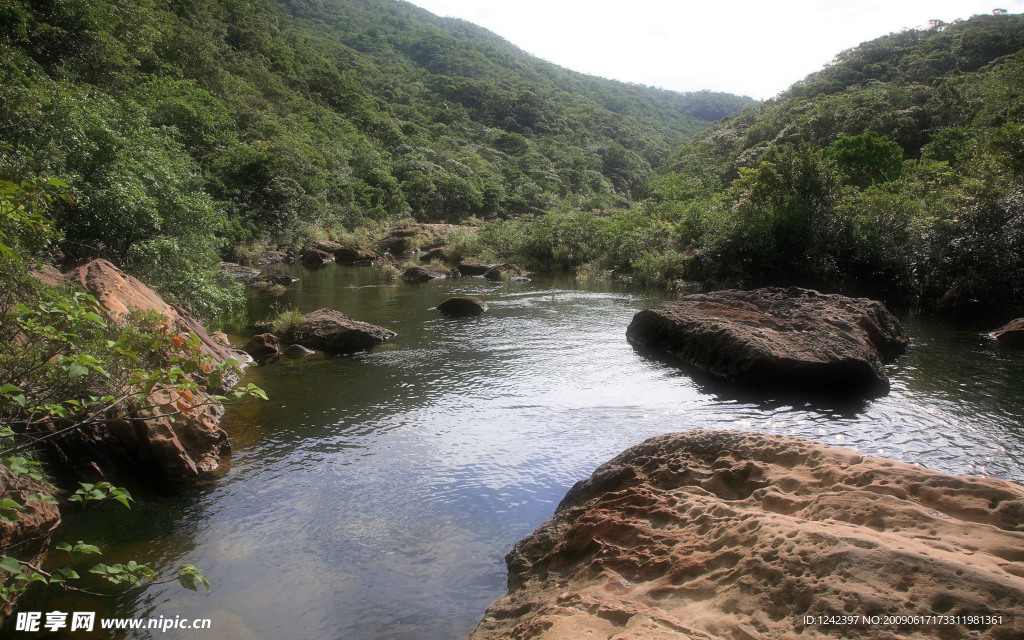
(333, 331)
(792, 339)
(727, 535)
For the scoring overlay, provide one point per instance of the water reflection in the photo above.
(375, 495)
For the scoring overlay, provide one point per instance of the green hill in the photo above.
(896, 171)
(187, 127)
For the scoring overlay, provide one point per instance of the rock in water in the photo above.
(723, 535)
(462, 306)
(185, 448)
(1011, 333)
(333, 331)
(786, 339)
(264, 348)
(426, 273)
(315, 259)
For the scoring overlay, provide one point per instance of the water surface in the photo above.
(374, 496)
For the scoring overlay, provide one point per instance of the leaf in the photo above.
(77, 371)
(11, 565)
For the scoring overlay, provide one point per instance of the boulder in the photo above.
(245, 275)
(272, 257)
(724, 535)
(355, 256)
(474, 267)
(505, 271)
(395, 245)
(315, 259)
(426, 273)
(333, 331)
(462, 306)
(264, 348)
(438, 253)
(27, 536)
(185, 447)
(793, 340)
(1011, 333)
(278, 279)
(328, 246)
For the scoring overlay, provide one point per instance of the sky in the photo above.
(754, 48)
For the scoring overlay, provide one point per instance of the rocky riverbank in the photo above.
(738, 535)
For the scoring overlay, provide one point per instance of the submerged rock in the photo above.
(790, 339)
(462, 306)
(723, 535)
(426, 273)
(333, 331)
(297, 351)
(1011, 333)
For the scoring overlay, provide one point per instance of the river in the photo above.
(374, 496)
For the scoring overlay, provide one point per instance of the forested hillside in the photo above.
(896, 171)
(187, 127)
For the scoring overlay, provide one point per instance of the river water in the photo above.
(374, 496)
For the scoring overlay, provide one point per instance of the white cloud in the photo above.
(756, 48)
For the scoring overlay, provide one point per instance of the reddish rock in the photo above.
(426, 273)
(1011, 333)
(272, 257)
(438, 253)
(505, 271)
(778, 339)
(725, 535)
(354, 255)
(333, 331)
(474, 267)
(264, 347)
(328, 246)
(27, 537)
(462, 306)
(186, 448)
(315, 259)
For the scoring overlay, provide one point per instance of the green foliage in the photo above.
(183, 130)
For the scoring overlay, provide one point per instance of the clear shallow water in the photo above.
(374, 496)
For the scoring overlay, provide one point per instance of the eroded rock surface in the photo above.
(333, 331)
(190, 446)
(426, 273)
(727, 535)
(792, 339)
(1011, 333)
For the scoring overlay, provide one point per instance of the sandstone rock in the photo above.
(242, 274)
(505, 271)
(28, 536)
(395, 245)
(328, 246)
(272, 257)
(271, 280)
(297, 351)
(724, 535)
(438, 253)
(333, 331)
(264, 347)
(1011, 333)
(355, 256)
(474, 267)
(426, 273)
(221, 338)
(462, 306)
(789, 339)
(186, 448)
(315, 259)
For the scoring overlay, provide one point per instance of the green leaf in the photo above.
(10, 565)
